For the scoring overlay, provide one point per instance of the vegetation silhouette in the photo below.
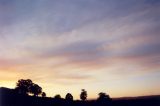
(69, 97)
(58, 96)
(23, 86)
(27, 93)
(43, 94)
(83, 95)
(104, 99)
(35, 89)
(27, 87)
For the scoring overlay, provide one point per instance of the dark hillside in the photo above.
(9, 97)
(137, 101)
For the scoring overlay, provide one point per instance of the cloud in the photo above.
(79, 42)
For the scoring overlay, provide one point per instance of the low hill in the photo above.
(153, 100)
(8, 97)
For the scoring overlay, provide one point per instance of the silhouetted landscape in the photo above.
(79, 52)
(27, 93)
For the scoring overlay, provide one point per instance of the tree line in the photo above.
(27, 87)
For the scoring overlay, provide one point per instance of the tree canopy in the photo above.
(23, 86)
(83, 95)
(69, 97)
(58, 96)
(27, 87)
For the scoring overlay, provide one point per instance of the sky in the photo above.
(110, 46)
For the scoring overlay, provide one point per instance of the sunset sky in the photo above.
(110, 46)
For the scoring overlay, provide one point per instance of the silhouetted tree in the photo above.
(103, 99)
(69, 97)
(43, 94)
(35, 89)
(57, 96)
(27, 86)
(83, 95)
(103, 96)
(22, 86)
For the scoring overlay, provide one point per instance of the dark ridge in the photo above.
(8, 97)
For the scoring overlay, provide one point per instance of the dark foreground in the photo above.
(10, 98)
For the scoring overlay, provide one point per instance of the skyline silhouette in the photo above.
(27, 87)
(13, 97)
